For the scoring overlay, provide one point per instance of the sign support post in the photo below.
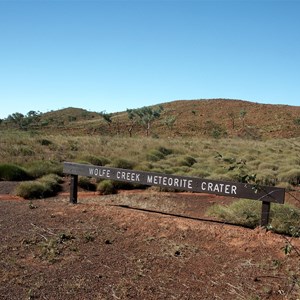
(265, 213)
(73, 188)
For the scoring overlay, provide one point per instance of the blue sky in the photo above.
(113, 55)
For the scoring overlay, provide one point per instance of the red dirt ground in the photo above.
(117, 247)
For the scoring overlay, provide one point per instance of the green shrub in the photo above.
(144, 166)
(52, 183)
(47, 186)
(155, 155)
(297, 121)
(86, 184)
(284, 219)
(165, 151)
(242, 212)
(123, 164)
(187, 161)
(106, 187)
(26, 151)
(268, 166)
(291, 176)
(40, 168)
(11, 172)
(95, 160)
(158, 154)
(267, 177)
(284, 185)
(199, 173)
(45, 142)
(31, 190)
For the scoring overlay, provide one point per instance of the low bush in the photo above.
(47, 186)
(187, 161)
(158, 153)
(284, 218)
(164, 150)
(155, 155)
(123, 164)
(292, 176)
(11, 172)
(52, 183)
(106, 187)
(44, 142)
(285, 185)
(86, 184)
(242, 212)
(95, 160)
(40, 168)
(31, 190)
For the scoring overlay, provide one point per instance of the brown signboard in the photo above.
(182, 183)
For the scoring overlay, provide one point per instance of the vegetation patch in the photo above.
(187, 161)
(96, 160)
(37, 169)
(86, 183)
(284, 219)
(46, 186)
(158, 153)
(122, 164)
(45, 142)
(106, 187)
(292, 176)
(11, 172)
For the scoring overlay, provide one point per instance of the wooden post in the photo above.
(265, 213)
(73, 189)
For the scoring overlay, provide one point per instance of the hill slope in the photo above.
(212, 117)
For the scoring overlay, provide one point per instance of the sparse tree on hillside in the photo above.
(232, 118)
(243, 113)
(169, 121)
(147, 115)
(16, 118)
(144, 116)
(106, 117)
(32, 117)
(22, 121)
(133, 117)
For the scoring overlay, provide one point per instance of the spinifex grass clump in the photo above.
(242, 212)
(11, 172)
(284, 219)
(291, 176)
(106, 187)
(86, 183)
(95, 160)
(46, 186)
(158, 154)
(39, 168)
(123, 164)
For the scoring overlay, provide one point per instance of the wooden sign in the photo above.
(181, 183)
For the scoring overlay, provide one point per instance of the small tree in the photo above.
(147, 115)
(243, 113)
(22, 121)
(169, 121)
(133, 117)
(16, 118)
(297, 121)
(144, 116)
(232, 118)
(106, 117)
